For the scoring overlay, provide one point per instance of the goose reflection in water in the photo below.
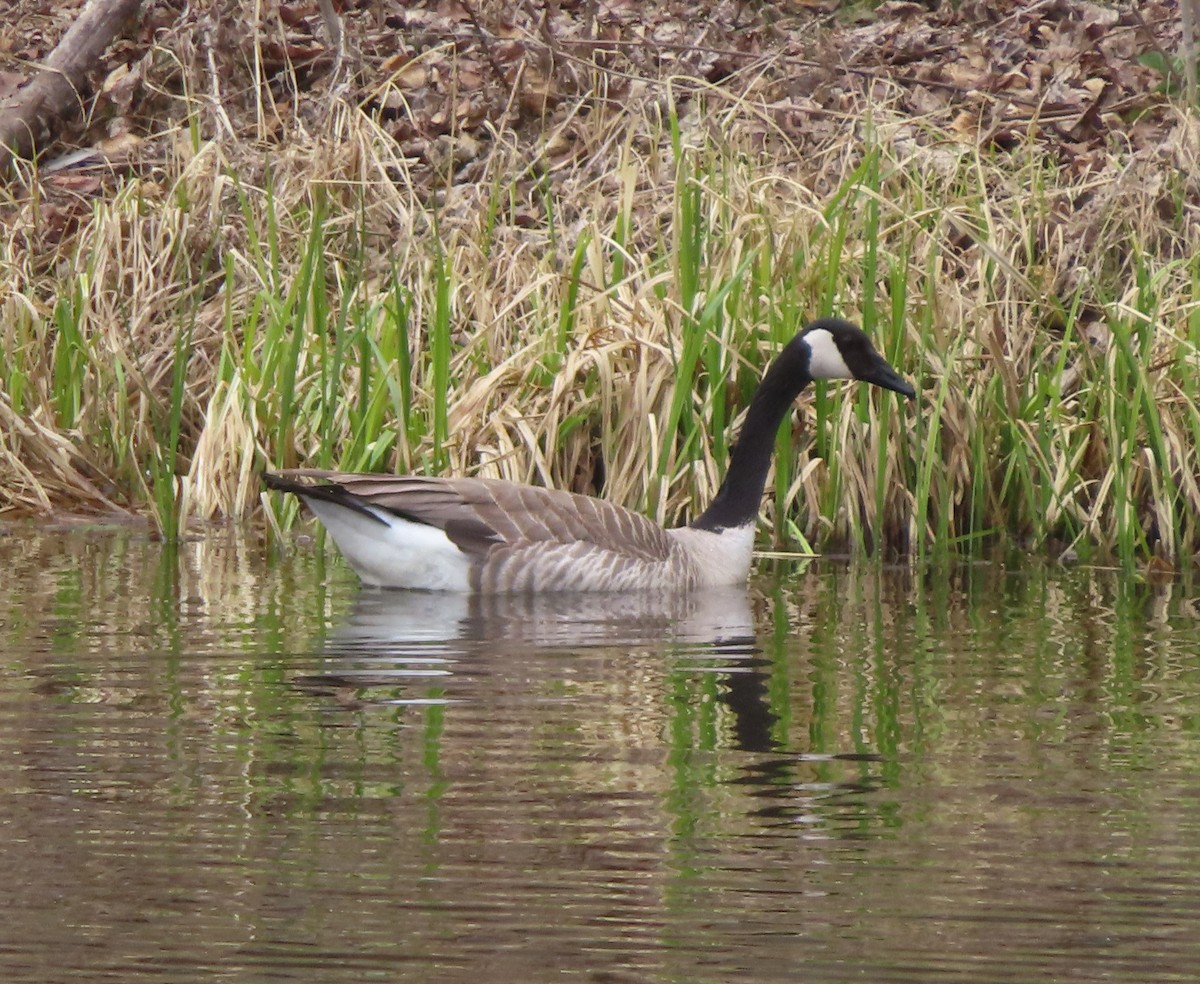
(396, 641)
(593, 675)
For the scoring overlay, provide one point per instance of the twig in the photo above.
(501, 74)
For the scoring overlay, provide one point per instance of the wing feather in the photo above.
(483, 515)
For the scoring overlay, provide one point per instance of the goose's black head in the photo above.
(827, 349)
(837, 349)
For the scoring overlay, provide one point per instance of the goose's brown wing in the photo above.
(478, 514)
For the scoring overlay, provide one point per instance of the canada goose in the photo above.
(491, 536)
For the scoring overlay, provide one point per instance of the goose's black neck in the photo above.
(740, 495)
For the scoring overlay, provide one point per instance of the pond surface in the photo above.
(217, 761)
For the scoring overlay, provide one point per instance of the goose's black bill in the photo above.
(880, 373)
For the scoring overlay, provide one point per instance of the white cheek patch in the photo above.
(825, 359)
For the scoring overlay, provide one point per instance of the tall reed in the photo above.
(601, 327)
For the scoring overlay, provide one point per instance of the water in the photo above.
(219, 762)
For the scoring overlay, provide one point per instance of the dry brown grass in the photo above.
(291, 252)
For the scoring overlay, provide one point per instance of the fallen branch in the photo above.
(27, 118)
